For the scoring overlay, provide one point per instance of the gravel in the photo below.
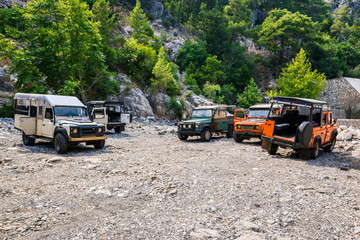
(143, 185)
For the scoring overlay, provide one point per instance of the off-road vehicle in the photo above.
(61, 119)
(305, 125)
(253, 125)
(207, 120)
(109, 113)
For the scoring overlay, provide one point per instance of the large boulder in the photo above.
(173, 47)
(153, 8)
(197, 101)
(345, 135)
(136, 102)
(4, 81)
(159, 102)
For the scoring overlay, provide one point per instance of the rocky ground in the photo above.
(147, 184)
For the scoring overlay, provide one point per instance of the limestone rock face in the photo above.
(197, 101)
(159, 103)
(136, 102)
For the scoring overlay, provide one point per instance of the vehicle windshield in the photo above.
(202, 113)
(70, 111)
(258, 113)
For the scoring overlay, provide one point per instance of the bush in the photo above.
(7, 110)
(189, 95)
(177, 106)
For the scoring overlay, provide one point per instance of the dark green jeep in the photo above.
(205, 121)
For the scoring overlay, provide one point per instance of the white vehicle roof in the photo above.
(53, 100)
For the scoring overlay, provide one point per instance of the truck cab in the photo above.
(252, 126)
(61, 119)
(205, 121)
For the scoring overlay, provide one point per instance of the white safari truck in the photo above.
(61, 119)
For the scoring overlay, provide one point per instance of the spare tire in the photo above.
(304, 134)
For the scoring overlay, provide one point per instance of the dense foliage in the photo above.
(73, 47)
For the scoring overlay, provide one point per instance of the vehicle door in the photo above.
(220, 122)
(329, 128)
(25, 115)
(239, 116)
(323, 129)
(47, 126)
(99, 115)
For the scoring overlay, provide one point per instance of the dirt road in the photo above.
(143, 185)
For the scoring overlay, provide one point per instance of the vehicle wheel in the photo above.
(206, 135)
(99, 144)
(118, 130)
(27, 140)
(230, 132)
(273, 149)
(331, 146)
(182, 136)
(60, 143)
(315, 150)
(237, 138)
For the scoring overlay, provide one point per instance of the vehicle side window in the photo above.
(323, 121)
(316, 117)
(220, 114)
(48, 113)
(330, 118)
(33, 108)
(22, 106)
(99, 113)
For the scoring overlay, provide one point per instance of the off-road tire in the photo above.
(27, 140)
(206, 135)
(99, 144)
(182, 137)
(315, 150)
(331, 146)
(118, 129)
(60, 143)
(273, 149)
(230, 132)
(237, 138)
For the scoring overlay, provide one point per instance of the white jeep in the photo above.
(61, 119)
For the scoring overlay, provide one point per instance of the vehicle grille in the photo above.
(88, 130)
(246, 127)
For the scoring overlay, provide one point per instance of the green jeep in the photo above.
(205, 121)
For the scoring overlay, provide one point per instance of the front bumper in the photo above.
(86, 139)
(245, 134)
(189, 132)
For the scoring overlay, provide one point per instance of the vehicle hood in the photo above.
(196, 120)
(85, 122)
(252, 121)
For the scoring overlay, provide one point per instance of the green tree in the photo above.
(238, 14)
(192, 52)
(60, 45)
(341, 28)
(138, 61)
(163, 77)
(212, 91)
(298, 80)
(140, 24)
(214, 30)
(283, 29)
(250, 96)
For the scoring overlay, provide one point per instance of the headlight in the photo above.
(75, 130)
(100, 129)
(197, 126)
(238, 126)
(256, 127)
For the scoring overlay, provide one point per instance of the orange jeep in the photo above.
(252, 126)
(305, 125)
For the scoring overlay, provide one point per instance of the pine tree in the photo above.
(250, 96)
(297, 79)
(140, 24)
(163, 78)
